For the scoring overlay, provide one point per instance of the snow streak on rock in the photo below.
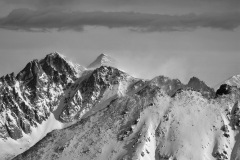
(149, 124)
(28, 98)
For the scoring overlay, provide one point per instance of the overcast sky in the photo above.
(175, 38)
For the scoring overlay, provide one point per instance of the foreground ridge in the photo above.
(149, 124)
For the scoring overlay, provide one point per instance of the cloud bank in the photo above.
(45, 20)
(40, 3)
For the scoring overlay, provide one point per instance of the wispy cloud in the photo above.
(70, 2)
(44, 20)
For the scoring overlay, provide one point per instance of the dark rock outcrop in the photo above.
(224, 89)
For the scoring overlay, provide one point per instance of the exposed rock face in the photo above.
(198, 85)
(58, 69)
(27, 99)
(235, 115)
(103, 83)
(170, 86)
(146, 124)
(116, 116)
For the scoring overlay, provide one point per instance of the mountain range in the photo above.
(55, 109)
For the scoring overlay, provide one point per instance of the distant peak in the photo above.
(103, 56)
(233, 81)
(103, 60)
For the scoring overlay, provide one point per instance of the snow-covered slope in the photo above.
(103, 113)
(103, 60)
(232, 81)
(51, 94)
(149, 124)
(28, 99)
(94, 91)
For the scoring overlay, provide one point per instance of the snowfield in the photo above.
(155, 126)
(148, 125)
(106, 114)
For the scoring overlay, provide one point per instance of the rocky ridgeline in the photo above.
(201, 87)
(172, 86)
(27, 99)
(108, 104)
(89, 92)
(128, 121)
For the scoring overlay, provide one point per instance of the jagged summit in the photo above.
(201, 86)
(52, 58)
(58, 62)
(195, 82)
(103, 60)
(32, 69)
(56, 54)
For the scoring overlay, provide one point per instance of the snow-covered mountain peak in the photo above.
(56, 54)
(55, 62)
(234, 81)
(105, 113)
(56, 57)
(93, 91)
(231, 81)
(103, 60)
